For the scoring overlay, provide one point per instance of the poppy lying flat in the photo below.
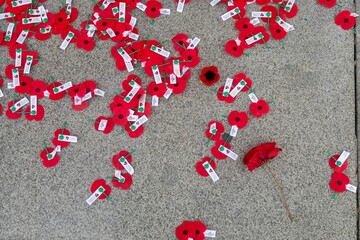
(101, 183)
(214, 130)
(238, 119)
(38, 116)
(48, 160)
(116, 159)
(327, 3)
(338, 182)
(332, 164)
(259, 108)
(126, 184)
(209, 75)
(345, 20)
(215, 150)
(191, 230)
(57, 133)
(200, 168)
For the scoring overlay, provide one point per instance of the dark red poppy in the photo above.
(345, 20)
(90, 86)
(153, 8)
(120, 116)
(190, 58)
(38, 116)
(242, 76)
(109, 126)
(259, 108)
(128, 83)
(180, 42)
(200, 168)
(56, 140)
(287, 11)
(116, 159)
(244, 26)
(327, 3)
(158, 90)
(277, 32)
(10, 114)
(215, 150)
(85, 42)
(338, 182)
(232, 48)
(134, 134)
(101, 183)
(185, 231)
(55, 95)
(215, 134)
(209, 75)
(260, 154)
(238, 119)
(77, 90)
(126, 184)
(25, 85)
(332, 164)
(229, 99)
(48, 163)
(37, 88)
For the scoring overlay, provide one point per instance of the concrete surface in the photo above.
(311, 80)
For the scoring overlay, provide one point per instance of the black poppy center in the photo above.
(117, 33)
(23, 84)
(197, 232)
(119, 105)
(139, 96)
(339, 182)
(120, 116)
(189, 58)
(185, 232)
(237, 119)
(37, 90)
(86, 42)
(153, 9)
(60, 19)
(176, 84)
(346, 20)
(181, 42)
(234, 48)
(210, 75)
(260, 107)
(278, 30)
(76, 90)
(87, 90)
(104, 24)
(156, 89)
(245, 26)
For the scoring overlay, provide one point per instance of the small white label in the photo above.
(214, 2)
(340, 161)
(45, 30)
(28, 64)
(154, 101)
(110, 32)
(31, 20)
(119, 176)
(77, 100)
(180, 6)
(238, 41)
(21, 38)
(227, 87)
(233, 131)
(210, 171)
(351, 188)
(33, 105)
(5, 15)
(122, 9)
(46, 93)
(86, 97)
(129, 66)
(253, 98)
(99, 92)
(132, 118)
(132, 93)
(176, 67)
(51, 155)
(289, 5)
(160, 51)
(237, 88)
(95, 195)
(255, 21)
(141, 6)
(141, 106)
(354, 14)
(15, 77)
(184, 70)
(134, 36)
(165, 11)
(58, 148)
(254, 39)
(172, 78)
(156, 73)
(19, 3)
(10, 85)
(288, 27)
(212, 128)
(168, 93)
(67, 40)
(43, 14)
(194, 43)
(138, 123)
(126, 165)
(102, 125)
(18, 57)
(229, 14)
(63, 87)
(261, 14)
(1, 93)
(133, 21)
(210, 233)
(124, 55)
(105, 5)
(228, 152)
(67, 138)
(9, 31)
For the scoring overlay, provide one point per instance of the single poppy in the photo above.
(242, 77)
(200, 168)
(118, 101)
(260, 154)
(244, 25)
(13, 49)
(79, 107)
(229, 99)
(190, 58)
(48, 163)
(57, 133)
(264, 35)
(144, 111)
(154, 89)
(153, 64)
(259, 108)
(200, 229)
(10, 114)
(37, 88)
(115, 159)
(274, 13)
(338, 182)
(327, 3)
(42, 34)
(232, 48)
(216, 133)
(61, 21)
(38, 116)
(90, 86)
(77, 90)
(240, 12)
(277, 32)
(209, 75)
(74, 33)
(180, 42)
(55, 95)
(134, 134)
(101, 183)
(185, 231)
(24, 85)
(238, 119)
(104, 24)
(9, 70)
(332, 164)
(120, 116)
(345, 20)
(129, 82)
(85, 42)
(124, 185)
(215, 150)
(109, 125)
(288, 11)
(153, 8)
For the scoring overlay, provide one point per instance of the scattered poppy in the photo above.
(125, 184)
(327, 3)
(277, 32)
(345, 20)
(180, 42)
(48, 160)
(120, 116)
(109, 125)
(238, 119)
(232, 48)
(190, 58)
(215, 133)
(215, 150)
(53, 95)
(185, 231)
(158, 90)
(229, 99)
(127, 83)
(242, 77)
(115, 159)
(260, 154)
(10, 114)
(37, 88)
(77, 90)
(209, 75)
(56, 141)
(101, 183)
(153, 8)
(244, 26)
(288, 11)
(37, 116)
(85, 42)
(338, 182)
(134, 134)
(24, 85)
(259, 108)
(332, 164)
(200, 168)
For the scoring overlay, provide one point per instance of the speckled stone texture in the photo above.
(311, 80)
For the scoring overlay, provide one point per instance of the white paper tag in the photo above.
(95, 195)
(214, 2)
(19, 3)
(15, 77)
(132, 93)
(212, 128)
(129, 66)
(210, 233)
(254, 39)
(176, 67)
(194, 43)
(77, 100)
(31, 20)
(340, 161)
(165, 11)
(63, 87)
(172, 78)
(124, 55)
(43, 14)
(102, 124)
(134, 36)
(141, 6)
(5, 15)
(233, 131)
(28, 64)
(228, 152)
(86, 97)
(1, 93)
(227, 87)
(21, 38)
(46, 93)
(18, 54)
(229, 14)
(51, 155)
(133, 21)
(238, 41)
(58, 148)
(119, 176)
(255, 21)
(132, 118)
(160, 51)
(105, 5)
(10, 85)
(33, 105)
(288, 27)
(154, 101)
(141, 106)
(237, 88)
(99, 92)
(354, 14)
(45, 30)
(210, 171)
(67, 138)
(122, 9)
(253, 98)
(261, 14)
(9, 31)
(110, 32)
(184, 70)
(351, 188)
(180, 6)
(126, 165)
(168, 93)
(67, 40)
(156, 73)
(289, 5)
(138, 123)
(34, 12)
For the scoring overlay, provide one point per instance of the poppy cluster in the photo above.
(62, 138)
(195, 230)
(81, 93)
(121, 179)
(345, 19)
(274, 13)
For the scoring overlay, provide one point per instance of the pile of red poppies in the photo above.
(195, 230)
(274, 13)
(122, 178)
(345, 19)
(340, 182)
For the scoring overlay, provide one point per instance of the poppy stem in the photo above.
(246, 54)
(330, 155)
(335, 195)
(353, 30)
(339, 5)
(130, 153)
(227, 139)
(107, 197)
(152, 21)
(224, 116)
(122, 129)
(63, 129)
(52, 81)
(111, 178)
(181, 45)
(45, 147)
(96, 3)
(281, 191)
(271, 102)
(211, 159)
(93, 121)
(163, 64)
(283, 42)
(208, 141)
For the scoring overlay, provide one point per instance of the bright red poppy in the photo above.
(109, 125)
(38, 116)
(153, 8)
(332, 164)
(185, 231)
(200, 168)
(124, 185)
(327, 3)
(45, 154)
(259, 108)
(85, 42)
(215, 150)
(180, 42)
(158, 90)
(216, 133)
(115, 159)
(101, 183)
(190, 58)
(77, 90)
(338, 182)
(25, 85)
(57, 133)
(10, 114)
(229, 99)
(288, 11)
(55, 96)
(277, 32)
(134, 134)
(238, 119)
(120, 116)
(232, 48)
(244, 26)
(345, 20)
(37, 88)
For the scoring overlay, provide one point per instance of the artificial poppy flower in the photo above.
(38, 116)
(185, 231)
(259, 108)
(288, 11)
(345, 20)
(90, 86)
(125, 184)
(120, 116)
(53, 95)
(215, 150)
(244, 25)
(216, 133)
(262, 2)
(116, 159)
(24, 85)
(104, 24)
(238, 119)
(209, 75)
(118, 101)
(120, 64)
(272, 10)
(338, 182)
(277, 32)
(190, 58)
(128, 83)
(200, 168)
(1, 109)
(153, 8)
(242, 77)
(143, 110)
(42, 34)
(109, 125)
(178, 87)
(327, 3)
(10, 69)
(239, 12)
(57, 133)
(61, 21)
(33, 54)
(1, 37)
(73, 15)
(180, 42)
(264, 35)
(37, 88)
(229, 99)
(79, 107)
(13, 49)
(154, 89)
(48, 163)
(200, 229)
(85, 42)
(71, 32)
(101, 183)
(232, 48)
(77, 90)
(10, 114)
(260, 154)
(153, 64)
(134, 134)
(332, 164)
(135, 99)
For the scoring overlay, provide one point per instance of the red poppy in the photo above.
(57, 133)
(120, 116)
(48, 163)
(259, 108)
(242, 76)
(9, 71)
(118, 101)
(134, 134)
(115, 159)
(153, 8)
(74, 33)
(215, 150)
(244, 26)
(41, 33)
(85, 42)
(338, 182)
(125, 185)
(80, 107)
(144, 110)
(151, 63)
(200, 229)
(264, 35)
(1, 110)
(274, 13)
(229, 99)
(55, 96)
(13, 49)
(104, 24)
(215, 133)
(277, 32)
(209, 75)
(200, 168)
(240, 14)
(109, 125)
(185, 231)
(332, 164)
(262, 2)
(10, 114)
(327, 3)
(129, 82)
(37, 88)
(232, 48)
(288, 11)
(90, 86)
(180, 42)
(158, 90)
(101, 183)
(61, 21)
(260, 154)
(135, 100)
(190, 58)
(77, 90)
(345, 20)
(38, 116)
(238, 119)
(25, 85)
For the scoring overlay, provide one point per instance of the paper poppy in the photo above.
(118, 101)
(272, 10)
(128, 83)
(85, 42)
(77, 90)
(277, 32)
(10, 114)
(41, 34)
(332, 164)
(232, 48)
(244, 26)
(215, 150)
(57, 133)
(200, 229)
(134, 134)
(327, 3)
(200, 168)
(74, 33)
(37, 88)
(38, 116)
(120, 116)
(180, 42)
(109, 125)
(242, 77)
(10, 69)
(101, 183)
(209, 75)
(345, 20)
(238, 14)
(126, 184)
(215, 134)
(24, 85)
(13, 49)
(185, 231)
(79, 107)
(158, 90)
(61, 21)
(115, 159)
(288, 11)
(90, 86)
(55, 96)
(144, 110)
(238, 119)
(229, 99)
(260, 154)
(190, 58)
(48, 163)
(153, 8)
(259, 108)
(338, 182)
(264, 35)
